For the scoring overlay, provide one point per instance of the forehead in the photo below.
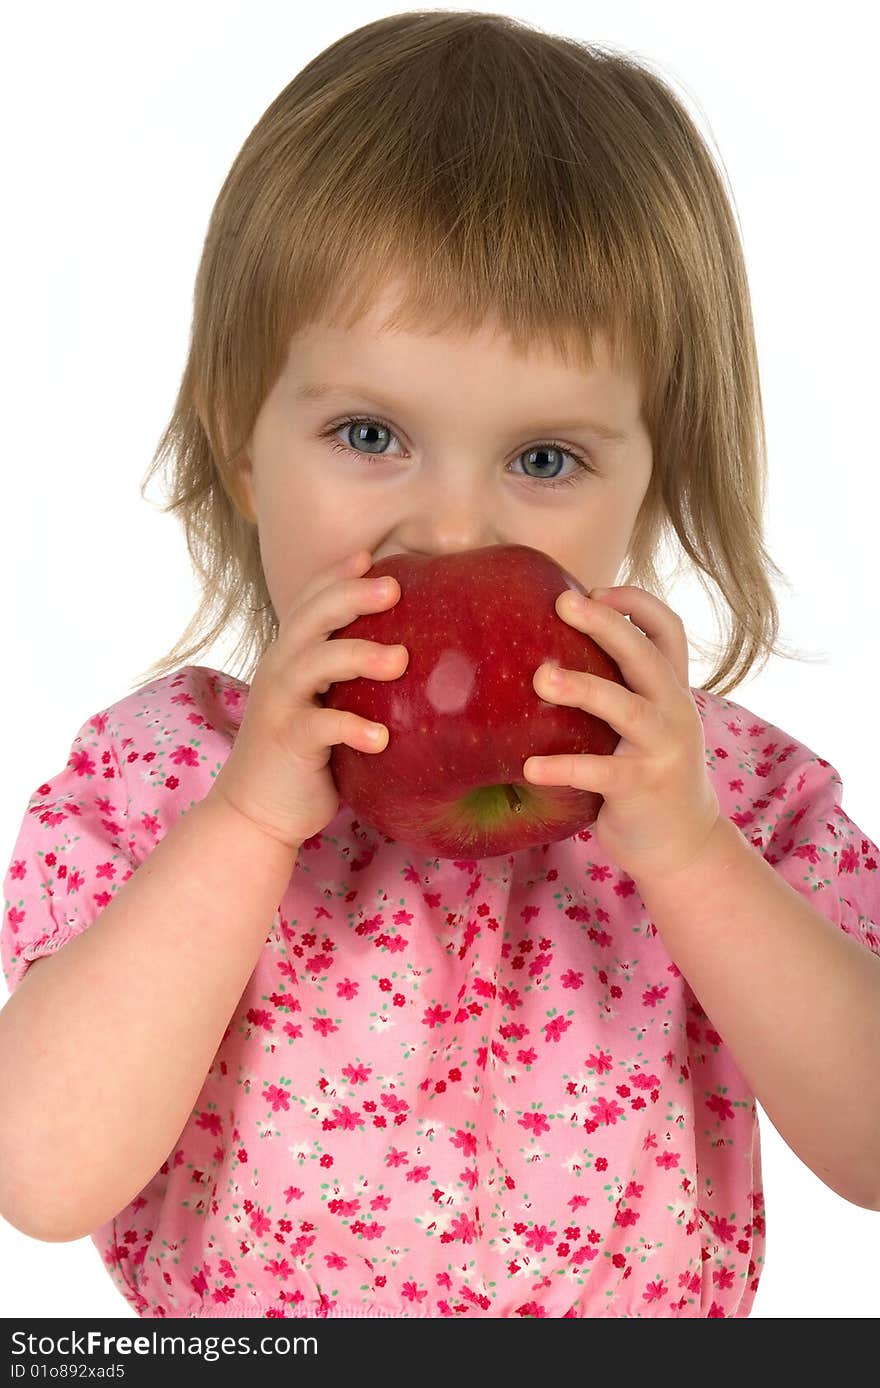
(392, 321)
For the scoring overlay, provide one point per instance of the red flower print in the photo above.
(640, 1080)
(464, 1141)
(278, 1098)
(555, 1030)
(347, 1119)
(412, 1292)
(184, 756)
(532, 1309)
(602, 1063)
(357, 1074)
(539, 964)
(346, 1208)
(81, 762)
(463, 1228)
(539, 1238)
(535, 1123)
(394, 1103)
(511, 998)
(259, 1222)
(656, 993)
(723, 1230)
(720, 1106)
(435, 1015)
(606, 1111)
(655, 1291)
(626, 1217)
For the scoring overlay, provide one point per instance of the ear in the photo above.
(238, 480)
(240, 486)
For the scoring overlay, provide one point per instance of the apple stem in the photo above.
(513, 799)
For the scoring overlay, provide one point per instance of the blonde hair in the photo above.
(556, 186)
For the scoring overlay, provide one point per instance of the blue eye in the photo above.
(583, 466)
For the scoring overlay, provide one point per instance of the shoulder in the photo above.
(762, 773)
(169, 739)
(733, 728)
(193, 697)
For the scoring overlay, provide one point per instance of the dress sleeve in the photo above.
(72, 853)
(820, 852)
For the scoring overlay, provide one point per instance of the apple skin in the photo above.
(464, 715)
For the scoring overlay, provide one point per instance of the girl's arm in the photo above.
(795, 999)
(105, 1045)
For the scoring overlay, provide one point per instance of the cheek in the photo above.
(616, 518)
(277, 571)
(301, 535)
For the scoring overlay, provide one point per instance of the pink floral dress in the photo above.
(476, 1088)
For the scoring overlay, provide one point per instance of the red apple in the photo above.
(464, 715)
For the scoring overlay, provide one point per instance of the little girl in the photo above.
(465, 284)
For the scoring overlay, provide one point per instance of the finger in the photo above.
(650, 650)
(328, 727)
(629, 714)
(333, 608)
(349, 566)
(581, 771)
(331, 662)
(660, 624)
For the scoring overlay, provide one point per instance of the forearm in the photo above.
(105, 1045)
(796, 1001)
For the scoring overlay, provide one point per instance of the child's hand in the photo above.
(660, 805)
(277, 774)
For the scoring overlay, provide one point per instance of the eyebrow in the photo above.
(319, 390)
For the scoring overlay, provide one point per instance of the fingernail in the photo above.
(598, 592)
(577, 602)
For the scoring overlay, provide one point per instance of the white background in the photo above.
(119, 125)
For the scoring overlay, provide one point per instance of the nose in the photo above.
(450, 506)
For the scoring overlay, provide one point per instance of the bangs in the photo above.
(432, 297)
(516, 205)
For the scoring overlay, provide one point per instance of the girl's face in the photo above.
(467, 445)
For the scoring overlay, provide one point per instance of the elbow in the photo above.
(864, 1193)
(37, 1209)
(874, 1202)
(36, 1229)
(867, 1196)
